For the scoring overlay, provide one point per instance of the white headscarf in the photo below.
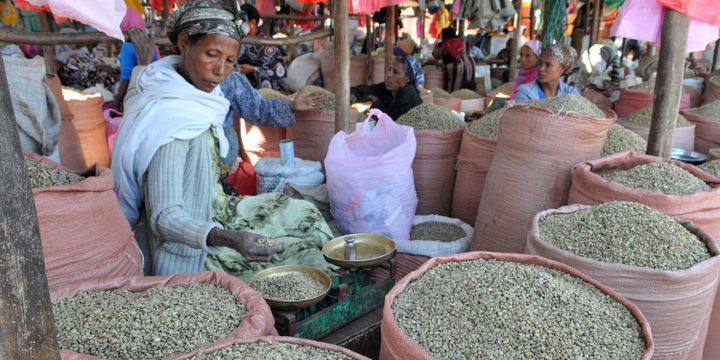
(165, 108)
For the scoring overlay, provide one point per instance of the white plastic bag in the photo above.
(272, 176)
(370, 179)
(436, 248)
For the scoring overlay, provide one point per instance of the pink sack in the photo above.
(370, 178)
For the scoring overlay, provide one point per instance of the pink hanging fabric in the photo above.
(265, 7)
(642, 20)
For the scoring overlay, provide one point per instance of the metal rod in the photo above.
(516, 37)
(668, 86)
(342, 66)
(26, 321)
(47, 38)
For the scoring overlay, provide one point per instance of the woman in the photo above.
(137, 51)
(555, 61)
(397, 94)
(528, 72)
(458, 67)
(165, 162)
(264, 64)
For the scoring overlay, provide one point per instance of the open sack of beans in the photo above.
(313, 129)
(477, 150)
(273, 347)
(707, 125)
(435, 235)
(83, 231)
(641, 96)
(445, 99)
(156, 317)
(370, 179)
(482, 305)
(538, 144)
(672, 187)
(438, 132)
(639, 123)
(668, 269)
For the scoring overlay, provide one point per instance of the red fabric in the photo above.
(707, 11)
(244, 180)
(157, 5)
(25, 5)
(454, 47)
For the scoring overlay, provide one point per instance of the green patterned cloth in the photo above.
(208, 17)
(297, 224)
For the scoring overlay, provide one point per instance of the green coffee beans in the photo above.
(439, 93)
(431, 117)
(620, 139)
(42, 176)
(643, 117)
(488, 126)
(328, 102)
(489, 309)
(437, 231)
(289, 287)
(272, 350)
(118, 324)
(465, 94)
(712, 167)
(711, 110)
(268, 93)
(667, 178)
(625, 233)
(568, 103)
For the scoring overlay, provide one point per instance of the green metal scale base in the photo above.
(353, 295)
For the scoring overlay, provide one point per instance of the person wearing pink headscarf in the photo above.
(135, 52)
(529, 54)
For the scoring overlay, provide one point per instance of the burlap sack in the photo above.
(530, 172)
(452, 103)
(433, 79)
(472, 105)
(676, 303)
(83, 231)
(358, 70)
(597, 98)
(434, 169)
(71, 155)
(712, 89)
(259, 141)
(259, 320)
(278, 339)
(473, 162)
(396, 345)
(707, 131)
(313, 131)
(702, 209)
(683, 137)
(632, 100)
(89, 122)
(404, 264)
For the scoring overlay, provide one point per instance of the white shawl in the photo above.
(164, 107)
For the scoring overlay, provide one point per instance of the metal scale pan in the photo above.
(370, 250)
(315, 273)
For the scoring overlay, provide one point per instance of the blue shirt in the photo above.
(128, 60)
(533, 91)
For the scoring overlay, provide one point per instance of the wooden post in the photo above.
(597, 14)
(623, 50)
(421, 18)
(668, 86)
(389, 35)
(369, 40)
(517, 37)
(342, 66)
(716, 57)
(532, 19)
(27, 328)
(48, 51)
(166, 11)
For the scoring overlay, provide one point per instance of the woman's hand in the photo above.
(247, 68)
(305, 103)
(144, 46)
(243, 242)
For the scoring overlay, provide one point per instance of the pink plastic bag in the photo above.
(642, 20)
(113, 119)
(370, 178)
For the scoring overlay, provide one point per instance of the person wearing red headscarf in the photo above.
(458, 67)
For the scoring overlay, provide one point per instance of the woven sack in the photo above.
(473, 162)
(434, 169)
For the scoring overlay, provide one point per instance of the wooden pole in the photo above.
(166, 11)
(668, 86)
(597, 14)
(532, 19)
(27, 328)
(369, 47)
(342, 66)
(716, 57)
(389, 35)
(48, 50)
(517, 37)
(421, 18)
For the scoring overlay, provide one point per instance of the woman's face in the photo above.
(528, 59)
(252, 24)
(549, 69)
(209, 61)
(395, 76)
